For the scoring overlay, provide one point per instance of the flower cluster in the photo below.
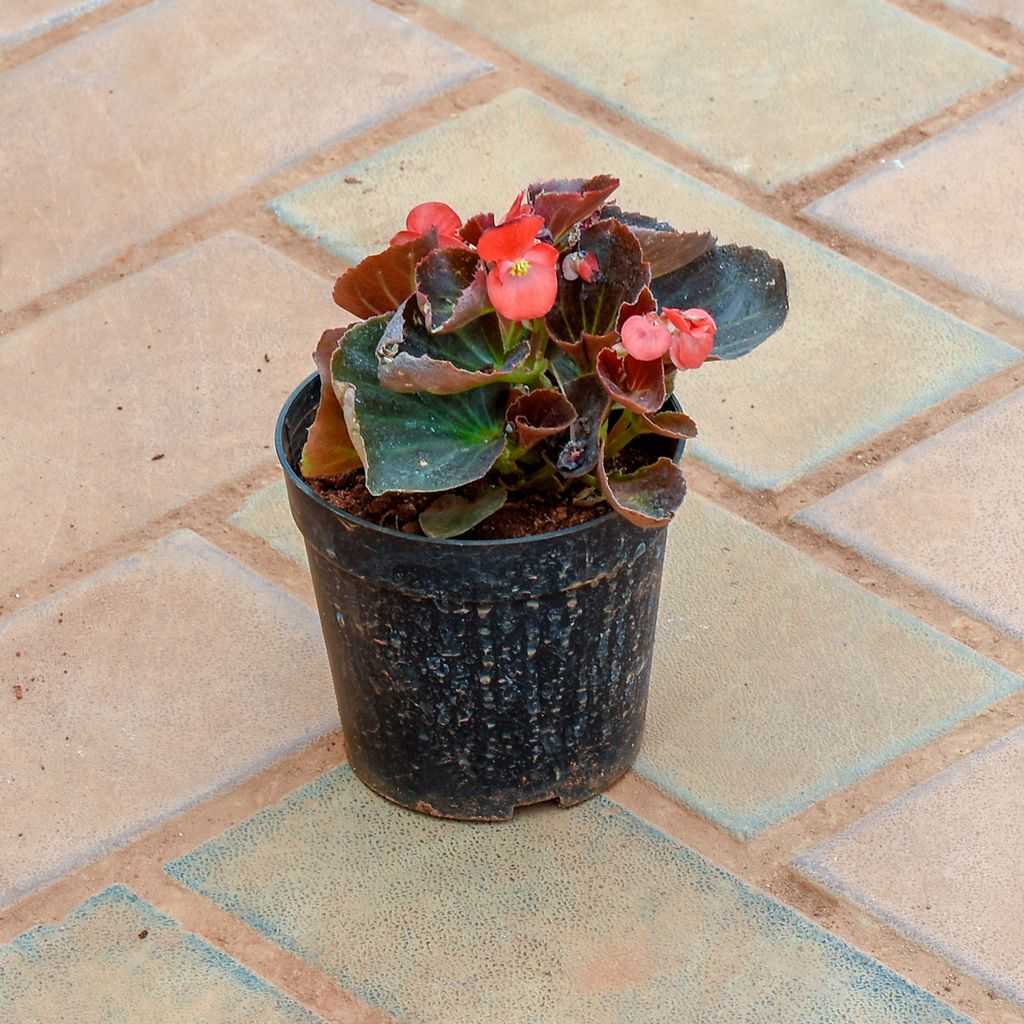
(530, 353)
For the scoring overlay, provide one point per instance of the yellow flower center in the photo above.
(520, 267)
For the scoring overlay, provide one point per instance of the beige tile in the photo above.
(948, 513)
(954, 205)
(121, 133)
(180, 349)
(856, 356)
(944, 864)
(139, 691)
(23, 19)
(772, 91)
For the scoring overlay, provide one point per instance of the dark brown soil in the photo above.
(521, 516)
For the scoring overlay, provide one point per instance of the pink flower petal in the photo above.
(645, 337)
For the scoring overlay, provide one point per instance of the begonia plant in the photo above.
(531, 353)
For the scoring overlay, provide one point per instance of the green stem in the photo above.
(626, 428)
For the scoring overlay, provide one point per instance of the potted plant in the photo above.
(483, 468)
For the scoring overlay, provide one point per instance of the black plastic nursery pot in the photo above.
(474, 677)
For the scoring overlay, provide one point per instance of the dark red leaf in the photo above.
(474, 227)
(564, 202)
(540, 414)
(645, 303)
(381, 283)
(451, 289)
(592, 307)
(637, 384)
(590, 400)
(664, 248)
(647, 497)
(670, 424)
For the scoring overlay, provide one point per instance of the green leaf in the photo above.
(664, 248)
(566, 201)
(381, 283)
(648, 496)
(328, 450)
(410, 358)
(452, 514)
(414, 442)
(593, 307)
(744, 289)
(451, 289)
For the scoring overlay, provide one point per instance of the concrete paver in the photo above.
(1009, 10)
(266, 515)
(172, 362)
(948, 513)
(776, 681)
(579, 915)
(824, 384)
(943, 864)
(135, 693)
(770, 91)
(126, 130)
(952, 205)
(115, 958)
(23, 19)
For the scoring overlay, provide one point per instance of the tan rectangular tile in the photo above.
(772, 91)
(948, 513)
(140, 690)
(172, 362)
(945, 864)
(126, 130)
(954, 205)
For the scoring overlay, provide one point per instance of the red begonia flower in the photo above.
(431, 215)
(693, 337)
(519, 208)
(523, 282)
(645, 337)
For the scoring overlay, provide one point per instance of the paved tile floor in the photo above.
(825, 819)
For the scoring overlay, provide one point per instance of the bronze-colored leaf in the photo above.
(646, 497)
(671, 424)
(567, 201)
(665, 249)
(410, 358)
(381, 283)
(590, 400)
(637, 384)
(539, 414)
(328, 450)
(451, 289)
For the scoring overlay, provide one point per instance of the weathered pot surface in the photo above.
(474, 677)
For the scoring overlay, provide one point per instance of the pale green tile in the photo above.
(582, 915)
(776, 681)
(116, 960)
(266, 515)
